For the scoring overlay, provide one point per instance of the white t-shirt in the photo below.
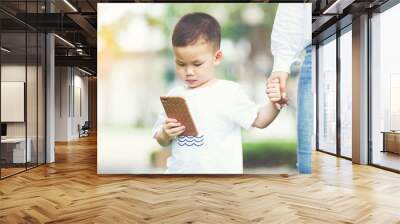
(219, 111)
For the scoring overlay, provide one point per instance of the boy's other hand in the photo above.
(274, 93)
(172, 128)
(282, 77)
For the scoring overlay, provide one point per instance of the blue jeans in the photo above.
(305, 110)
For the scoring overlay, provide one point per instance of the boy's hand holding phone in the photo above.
(172, 128)
(274, 93)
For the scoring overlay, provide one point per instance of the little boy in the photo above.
(219, 108)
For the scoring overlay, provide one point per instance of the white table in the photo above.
(19, 149)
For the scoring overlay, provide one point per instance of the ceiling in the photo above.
(76, 21)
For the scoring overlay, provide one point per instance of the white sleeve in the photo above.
(241, 110)
(287, 38)
(159, 123)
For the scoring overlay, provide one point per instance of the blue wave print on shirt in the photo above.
(191, 140)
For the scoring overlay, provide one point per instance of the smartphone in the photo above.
(175, 107)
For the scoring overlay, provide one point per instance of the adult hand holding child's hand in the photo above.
(274, 93)
(280, 78)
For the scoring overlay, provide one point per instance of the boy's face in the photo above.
(195, 63)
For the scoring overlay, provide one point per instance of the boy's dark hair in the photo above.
(196, 25)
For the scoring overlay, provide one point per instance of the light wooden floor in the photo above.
(70, 191)
(10, 171)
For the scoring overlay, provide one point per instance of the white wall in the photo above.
(33, 126)
(70, 83)
(79, 111)
(61, 103)
(12, 73)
